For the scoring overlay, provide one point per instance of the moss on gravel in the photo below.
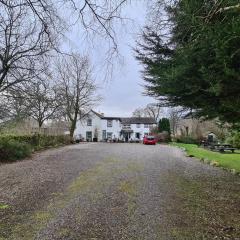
(65, 232)
(4, 206)
(204, 211)
(91, 183)
(129, 188)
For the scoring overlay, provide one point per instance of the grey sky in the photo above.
(123, 93)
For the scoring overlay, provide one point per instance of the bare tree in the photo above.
(175, 116)
(41, 101)
(139, 112)
(23, 40)
(77, 89)
(35, 100)
(30, 28)
(15, 104)
(97, 16)
(4, 109)
(151, 110)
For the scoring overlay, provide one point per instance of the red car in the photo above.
(149, 140)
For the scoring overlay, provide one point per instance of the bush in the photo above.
(234, 139)
(187, 140)
(51, 141)
(11, 150)
(163, 137)
(14, 147)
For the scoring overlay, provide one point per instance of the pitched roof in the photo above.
(112, 118)
(98, 114)
(137, 120)
(131, 120)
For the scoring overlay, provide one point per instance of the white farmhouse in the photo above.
(97, 127)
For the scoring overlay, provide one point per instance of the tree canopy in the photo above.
(195, 61)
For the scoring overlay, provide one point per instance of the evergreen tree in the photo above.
(195, 63)
(164, 125)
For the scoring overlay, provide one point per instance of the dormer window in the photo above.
(89, 122)
(109, 123)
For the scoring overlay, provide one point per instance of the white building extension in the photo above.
(97, 127)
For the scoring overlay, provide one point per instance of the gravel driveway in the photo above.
(117, 191)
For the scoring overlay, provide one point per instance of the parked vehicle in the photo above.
(149, 140)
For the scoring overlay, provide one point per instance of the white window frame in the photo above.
(146, 125)
(89, 122)
(109, 135)
(138, 125)
(109, 123)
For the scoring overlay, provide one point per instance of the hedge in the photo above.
(14, 147)
(11, 150)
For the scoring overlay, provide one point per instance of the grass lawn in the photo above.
(226, 160)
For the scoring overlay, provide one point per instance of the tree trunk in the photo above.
(72, 129)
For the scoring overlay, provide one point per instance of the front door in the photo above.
(104, 135)
(126, 137)
(138, 135)
(109, 136)
(89, 136)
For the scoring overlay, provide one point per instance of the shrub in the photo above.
(14, 147)
(51, 141)
(234, 139)
(11, 150)
(163, 137)
(38, 140)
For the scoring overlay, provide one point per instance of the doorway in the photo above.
(89, 136)
(137, 135)
(104, 135)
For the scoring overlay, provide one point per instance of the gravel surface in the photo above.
(117, 191)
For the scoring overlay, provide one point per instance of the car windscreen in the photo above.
(150, 138)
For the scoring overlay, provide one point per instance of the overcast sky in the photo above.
(123, 93)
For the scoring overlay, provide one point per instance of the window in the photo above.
(137, 135)
(109, 123)
(138, 125)
(109, 135)
(89, 122)
(89, 136)
(150, 138)
(146, 126)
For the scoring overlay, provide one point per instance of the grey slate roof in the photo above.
(131, 120)
(98, 114)
(107, 118)
(136, 120)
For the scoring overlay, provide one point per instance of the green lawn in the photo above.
(226, 160)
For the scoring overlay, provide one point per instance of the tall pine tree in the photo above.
(197, 65)
(164, 125)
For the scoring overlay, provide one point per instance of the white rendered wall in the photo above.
(82, 127)
(101, 124)
(140, 130)
(115, 129)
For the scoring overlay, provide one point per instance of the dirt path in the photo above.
(117, 191)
